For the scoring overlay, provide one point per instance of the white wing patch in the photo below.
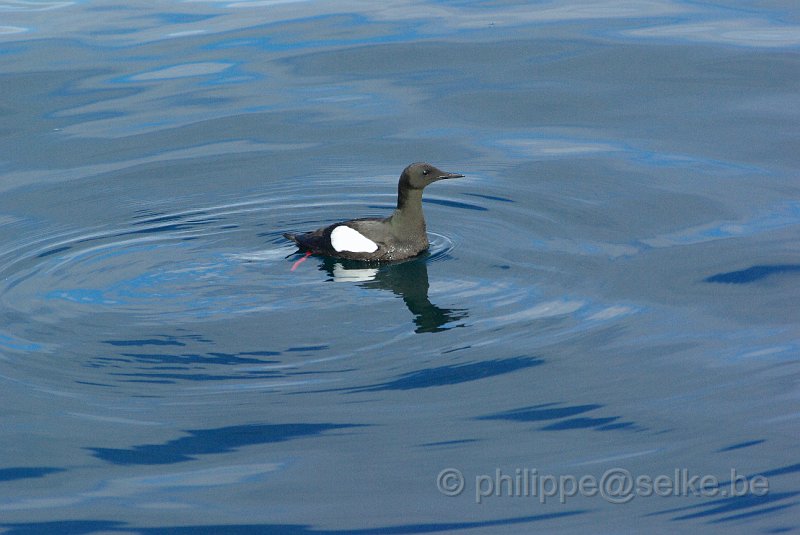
(344, 238)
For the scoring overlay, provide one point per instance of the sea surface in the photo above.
(603, 338)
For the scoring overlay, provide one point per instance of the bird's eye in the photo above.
(426, 171)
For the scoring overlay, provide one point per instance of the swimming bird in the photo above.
(401, 235)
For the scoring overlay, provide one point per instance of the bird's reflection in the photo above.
(408, 279)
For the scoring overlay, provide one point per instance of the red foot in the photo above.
(294, 266)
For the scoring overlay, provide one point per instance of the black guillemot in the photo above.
(401, 235)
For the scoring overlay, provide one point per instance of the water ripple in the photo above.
(145, 280)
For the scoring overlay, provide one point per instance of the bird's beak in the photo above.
(448, 175)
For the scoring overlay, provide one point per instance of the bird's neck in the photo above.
(408, 218)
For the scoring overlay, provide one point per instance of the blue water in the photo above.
(611, 290)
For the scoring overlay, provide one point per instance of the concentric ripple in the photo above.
(136, 291)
